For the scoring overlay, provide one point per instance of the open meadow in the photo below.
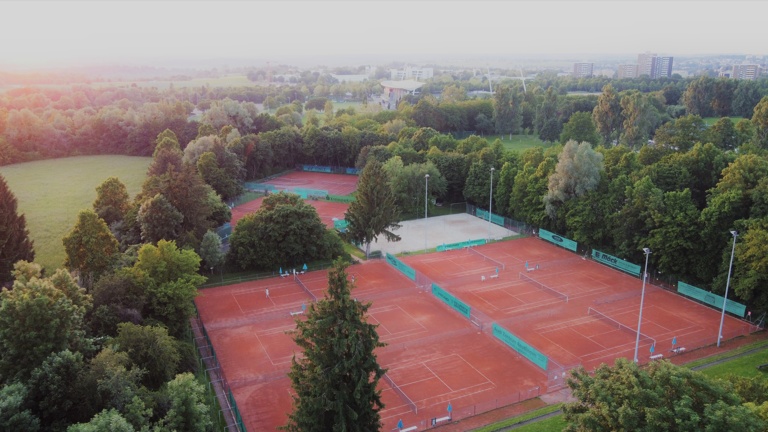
(51, 193)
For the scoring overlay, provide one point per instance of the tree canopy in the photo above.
(659, 397)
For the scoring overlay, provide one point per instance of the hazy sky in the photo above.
(40, 33)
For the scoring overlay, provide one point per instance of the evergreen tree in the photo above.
(374, 211)
(335, 380)
(15, 244)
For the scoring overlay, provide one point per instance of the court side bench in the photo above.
(435, 421)
(495, 276)
(657, 356)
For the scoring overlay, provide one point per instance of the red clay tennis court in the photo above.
(434, 357)
(572, 310)
(327, 210)
(334, 184)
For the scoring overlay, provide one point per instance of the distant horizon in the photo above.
(54, 34)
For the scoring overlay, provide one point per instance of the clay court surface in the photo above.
(334, 184)
(437, 356)
(327, 210)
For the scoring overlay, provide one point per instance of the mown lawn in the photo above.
(518, 143)
(709, 121)
(51, 193)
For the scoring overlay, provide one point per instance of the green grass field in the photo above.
(518, 143)
(51, 193)
(709, 121)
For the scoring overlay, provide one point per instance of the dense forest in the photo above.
(635, 165)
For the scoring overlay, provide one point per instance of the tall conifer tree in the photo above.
(374, 211)
(15, 244)
(335, 379)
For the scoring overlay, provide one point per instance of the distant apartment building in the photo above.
(411, 73)
(662, 67)
(645, 64)
(654, 66)
(627, 71)
(582, 70)
(746, 72)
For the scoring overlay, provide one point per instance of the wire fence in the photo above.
(402, 394)
(230, 411)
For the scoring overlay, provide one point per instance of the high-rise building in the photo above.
(746, 72)
(582, 70)
(645, 63)
(662, 67)
(654, 66)
(628, 71)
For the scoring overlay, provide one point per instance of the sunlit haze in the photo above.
(159, 33)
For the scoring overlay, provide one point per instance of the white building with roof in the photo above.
(395, 90)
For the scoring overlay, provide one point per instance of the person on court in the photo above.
(267, 292)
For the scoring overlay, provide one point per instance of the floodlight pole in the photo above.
(490, 206)
(735, 234)
(642, 298)
(426, 201)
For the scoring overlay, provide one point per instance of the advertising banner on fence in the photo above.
(711, 299)
(518, 345)
(614, 262)
(404, 269)
(558, 240)
(451, 301)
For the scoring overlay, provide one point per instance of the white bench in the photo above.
(412, 428)
(678, 350)
(657, 356)
(284, 274)
(297, 313)
(435, 421)
(495, 276)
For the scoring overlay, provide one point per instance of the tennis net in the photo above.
(621, 326)
(397, 390)
(487, 258)
(543, 287)
(301, 284)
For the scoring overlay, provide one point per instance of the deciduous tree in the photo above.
(112, 200)
(577, 172)
(336, 377)
(91, 247)
(39, 316)
(660, 397)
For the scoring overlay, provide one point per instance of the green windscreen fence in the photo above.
(711, 299)
(451, 246)
(482, 214)
(306, 193)
(451, 300)
(254, 186)
(520, 346)
(404, 269)
(558, 240)
(340, 224)
(615, 262)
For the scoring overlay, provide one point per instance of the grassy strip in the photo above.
(743, 366)
(519, 419)
(552, 424)
(725, 355)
